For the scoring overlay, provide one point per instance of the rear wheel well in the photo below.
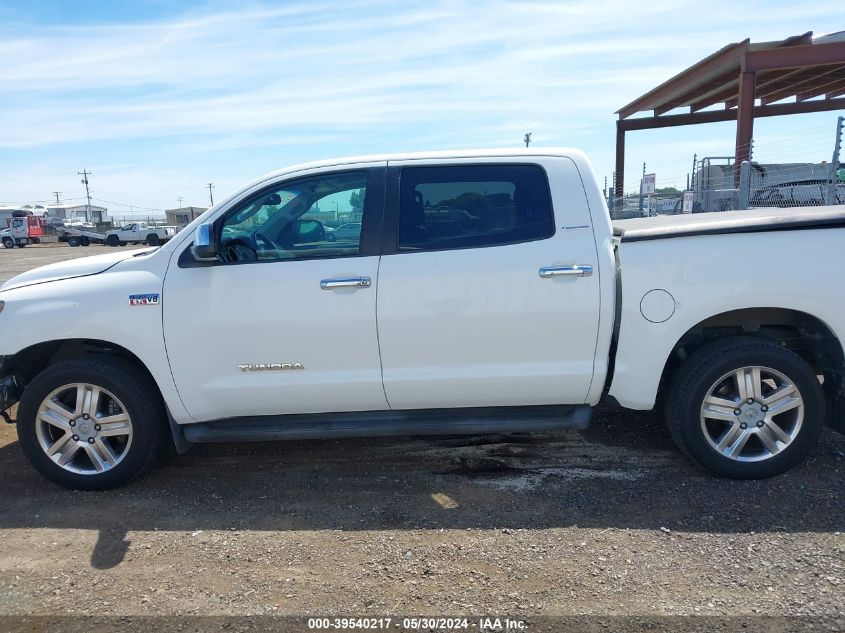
(798, 331)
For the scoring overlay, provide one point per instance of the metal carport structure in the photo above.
(799, 67)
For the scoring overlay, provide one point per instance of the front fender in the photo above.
(97, 307)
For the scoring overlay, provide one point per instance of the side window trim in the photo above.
(371, 220)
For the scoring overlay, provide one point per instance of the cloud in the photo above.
(355, 76)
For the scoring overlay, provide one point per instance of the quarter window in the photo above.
(302, 219)
(472, 206)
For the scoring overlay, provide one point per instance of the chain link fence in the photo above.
(718, 184)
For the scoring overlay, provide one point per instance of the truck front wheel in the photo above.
(93, 423)
(746, 408)
(8, 242)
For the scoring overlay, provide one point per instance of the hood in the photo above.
(80, 267)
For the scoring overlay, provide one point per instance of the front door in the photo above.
(285, 321)
(487, 298)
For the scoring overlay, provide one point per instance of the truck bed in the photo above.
(721, 222)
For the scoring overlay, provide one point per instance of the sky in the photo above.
(159, 98)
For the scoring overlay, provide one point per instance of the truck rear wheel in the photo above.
(8, 242)
(93, 423)
(746, 408)
(153, 239)
(112, 240)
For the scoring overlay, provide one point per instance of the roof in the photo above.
(800, 67)
(509, 153)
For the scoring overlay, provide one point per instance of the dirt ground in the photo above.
(611, 523)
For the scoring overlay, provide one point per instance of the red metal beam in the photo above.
(715, 91)
(807, 78)
(619, 185)
(831, 84)
(795, 56)
(715, 116)
(689, 77)
(744, 119)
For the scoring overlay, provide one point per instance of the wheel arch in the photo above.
(805, 334)
(30, 361)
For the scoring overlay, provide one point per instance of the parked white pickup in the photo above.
(482, 291)
(140, 233)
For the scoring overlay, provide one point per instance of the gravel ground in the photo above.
(609, 522)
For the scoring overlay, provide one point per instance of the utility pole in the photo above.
(830, 197)
(180, 198)
(85, 173)
(210, 195)
(527, 139)
(56, 193)
(641, 190)
(694, 165)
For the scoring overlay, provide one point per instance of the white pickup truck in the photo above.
(139, 233)
(487, 291)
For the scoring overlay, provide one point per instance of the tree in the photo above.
(356, 200)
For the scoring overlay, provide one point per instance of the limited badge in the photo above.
(143, 300)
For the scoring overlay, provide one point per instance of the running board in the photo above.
(391, 423)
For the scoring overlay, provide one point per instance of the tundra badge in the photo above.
(270, 366)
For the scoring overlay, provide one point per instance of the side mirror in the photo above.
(205, 244)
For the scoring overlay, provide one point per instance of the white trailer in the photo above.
(80, 237)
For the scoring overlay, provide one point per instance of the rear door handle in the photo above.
(577, 270)
(346, 282)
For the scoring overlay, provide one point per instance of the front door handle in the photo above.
(577, 270)
(346, 282)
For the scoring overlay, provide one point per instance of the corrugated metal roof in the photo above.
(715, 79)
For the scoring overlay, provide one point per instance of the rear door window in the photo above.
(473, 206)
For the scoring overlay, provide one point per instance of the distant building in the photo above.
(184, 215)
(56, 213)
(93, 213)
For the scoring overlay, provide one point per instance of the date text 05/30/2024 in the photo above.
(482, 624)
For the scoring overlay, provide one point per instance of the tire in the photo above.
(21, 244)
(73, 241)
(8, 242)
(331, 237)
(112, 240)
(85, 241)
(768, 444)
(153, 239)
(134, 393)
(36, 240)
(121, 243)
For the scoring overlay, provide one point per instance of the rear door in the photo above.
(485, 293)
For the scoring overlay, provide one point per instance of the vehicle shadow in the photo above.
(622, 473)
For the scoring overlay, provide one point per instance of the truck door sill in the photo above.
(391, 423)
